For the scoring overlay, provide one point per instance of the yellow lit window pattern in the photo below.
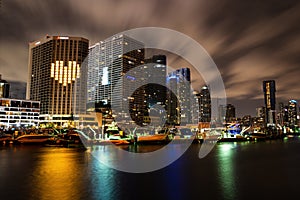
(52, 70)
(65, 74)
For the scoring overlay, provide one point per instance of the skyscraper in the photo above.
(270, 101)
(4, 88)
(204, 105)
(230, 113)
(292, 114)
(57, 75)
(109, 61)
(156, 93)
(179, 97)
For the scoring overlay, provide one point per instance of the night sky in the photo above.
(250, 41)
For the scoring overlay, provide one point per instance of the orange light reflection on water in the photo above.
(56, 176)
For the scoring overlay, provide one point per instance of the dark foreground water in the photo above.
(244, 170)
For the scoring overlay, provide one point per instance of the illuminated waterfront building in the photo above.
(195, 107)
(292, 114)
(179, 97)
(204, 105)
(57, 76)
(4, 88)
(270, 101)
(109, 61)
(157, 73)
(19, 113)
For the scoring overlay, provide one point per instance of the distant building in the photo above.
(57, 76)
(173, 105)
(221, 114)
(156, 93)
(179, 99)
(204, 105)
(260, 112)
(259, 120)
(270, 101)
(4, 88)
(292, 114)
(19, 113)
(230, 113)
(195, 107)
(17, 90)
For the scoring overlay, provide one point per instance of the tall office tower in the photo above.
(4, 88)
(230, 113)
(172, 102)
(283, 114)
(204, 105)
(292, 113)
(221, 114)
(280, 114)
(195, 107)
(156, 92)
(93, 74)
(286, 116)
(109, 76)
(270, 101)
(57, 75)
(260, 112)
(179, 97)
(260, 117)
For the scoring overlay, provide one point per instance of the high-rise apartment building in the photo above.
(270, 101)
(108, 82)
(292, 114)
(179, 97)
(204, 105)
(156, 92)
(230, 113)
(57, 75)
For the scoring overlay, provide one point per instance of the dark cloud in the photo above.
(250, 41)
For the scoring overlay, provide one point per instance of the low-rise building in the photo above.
(19, 113)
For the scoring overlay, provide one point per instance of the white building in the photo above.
(19, 113)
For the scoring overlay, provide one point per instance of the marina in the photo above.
(79, 138)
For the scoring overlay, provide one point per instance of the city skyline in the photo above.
(260, 44)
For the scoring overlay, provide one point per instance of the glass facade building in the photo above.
(109, 79)
(292, 114)
(179, 97)
(204, 105)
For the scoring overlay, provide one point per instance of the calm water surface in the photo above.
(244, 170)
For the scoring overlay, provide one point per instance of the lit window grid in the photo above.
(53, 49)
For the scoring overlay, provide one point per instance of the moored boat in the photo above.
(6, 138)
(156, 138)
(33, 139)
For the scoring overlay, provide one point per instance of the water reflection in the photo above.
(104, 181)
(56, 175)
(137, 159)
(226, 169)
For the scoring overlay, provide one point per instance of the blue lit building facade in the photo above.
(292, 114)
(179, 97)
